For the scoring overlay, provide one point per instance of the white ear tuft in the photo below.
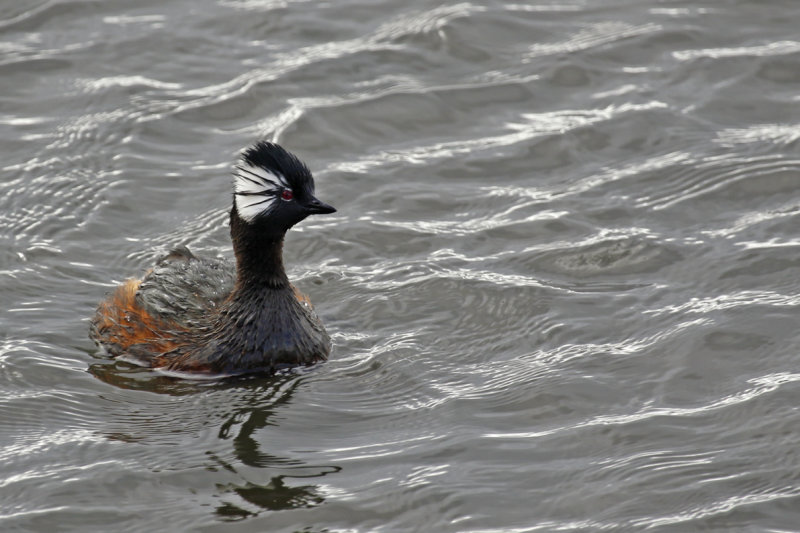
(253, 206)
(250, 179)
(255, 190)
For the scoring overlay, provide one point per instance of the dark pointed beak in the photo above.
(315, 207)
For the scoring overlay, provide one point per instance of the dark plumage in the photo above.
(206, 316)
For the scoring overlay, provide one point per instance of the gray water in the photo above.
(562, 283)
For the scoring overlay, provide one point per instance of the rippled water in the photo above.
(562, 283)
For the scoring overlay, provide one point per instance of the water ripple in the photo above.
(729, 301)
(598, 34)
(765, 385)
(770, 49)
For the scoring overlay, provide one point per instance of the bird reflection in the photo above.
(273, 496)
(276, 494)
(263, 479)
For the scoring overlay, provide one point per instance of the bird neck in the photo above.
(259, 258)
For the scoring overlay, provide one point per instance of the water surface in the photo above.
(562, 282)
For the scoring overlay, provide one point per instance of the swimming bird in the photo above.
(191, 315)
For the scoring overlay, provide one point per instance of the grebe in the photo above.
(201, 316)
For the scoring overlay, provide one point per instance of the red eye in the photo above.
(287, 194)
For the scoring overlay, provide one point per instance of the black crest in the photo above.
(278, 161)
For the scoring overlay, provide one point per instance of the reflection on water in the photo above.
(257, 399)
(276, 494)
